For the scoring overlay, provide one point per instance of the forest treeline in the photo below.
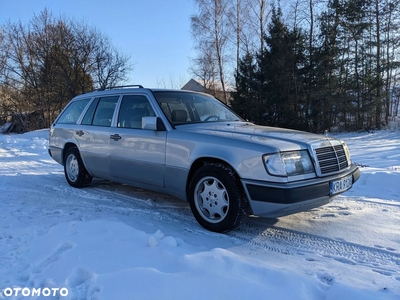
(48, 61)
(305, 64)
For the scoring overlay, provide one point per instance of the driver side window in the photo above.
(133, 108)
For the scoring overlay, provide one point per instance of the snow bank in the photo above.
(109, 241)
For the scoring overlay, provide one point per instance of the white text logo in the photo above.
(26, 292)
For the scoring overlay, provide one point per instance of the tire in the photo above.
(74, 169)
(216, 198)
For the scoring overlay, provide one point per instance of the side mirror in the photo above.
(153, 123)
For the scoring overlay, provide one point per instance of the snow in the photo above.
(111, 241)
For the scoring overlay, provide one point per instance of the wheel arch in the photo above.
(202, 161)
(67, 146)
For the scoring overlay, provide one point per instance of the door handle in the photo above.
(79, 132)
(115, 137)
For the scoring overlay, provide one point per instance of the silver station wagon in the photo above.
(192, 146)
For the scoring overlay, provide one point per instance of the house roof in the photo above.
(197, 85)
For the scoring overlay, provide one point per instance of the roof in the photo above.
(197, 85)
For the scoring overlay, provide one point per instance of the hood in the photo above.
(280, 138)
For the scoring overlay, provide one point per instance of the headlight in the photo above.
(346, 150)
(289, 163)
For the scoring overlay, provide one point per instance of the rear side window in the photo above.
(105, 111)
(88, 118)
(71, 114)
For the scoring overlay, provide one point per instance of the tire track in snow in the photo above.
(370, 203)
(255, 232)
(292, 242)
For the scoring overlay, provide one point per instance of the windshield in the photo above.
(186, 108)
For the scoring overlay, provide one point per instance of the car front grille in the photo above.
(330, 157)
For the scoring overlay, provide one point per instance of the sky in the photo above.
(156, 34)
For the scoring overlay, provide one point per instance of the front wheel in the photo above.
(216, 198)
(74, 169)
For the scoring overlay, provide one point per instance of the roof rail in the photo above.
(118, 87)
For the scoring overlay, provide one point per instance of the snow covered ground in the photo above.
(111, 241)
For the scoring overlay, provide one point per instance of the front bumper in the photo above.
(279, 199)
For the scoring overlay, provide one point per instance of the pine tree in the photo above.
(247, 100)
(281, 67)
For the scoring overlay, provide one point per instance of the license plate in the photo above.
(341, 185)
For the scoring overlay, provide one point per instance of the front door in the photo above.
(137, 154)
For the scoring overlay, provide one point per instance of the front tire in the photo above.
(74, 169)
(216, 198)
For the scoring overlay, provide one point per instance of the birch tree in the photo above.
(211, 28)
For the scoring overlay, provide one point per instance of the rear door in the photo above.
(94, 135)
(137, 154)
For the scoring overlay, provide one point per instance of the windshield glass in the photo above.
(186, 108)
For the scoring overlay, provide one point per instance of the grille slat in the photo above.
(331, 159)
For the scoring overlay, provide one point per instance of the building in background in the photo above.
(209, 87)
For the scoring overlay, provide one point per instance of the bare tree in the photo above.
(236, 16)
(205, 66)
(2, 53)
(259, 14)
(391, 26)
(50, 60)
(110, 66)
(171, 82)
(211, 27)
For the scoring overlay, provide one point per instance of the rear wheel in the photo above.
(74, 170)
(216, 198)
